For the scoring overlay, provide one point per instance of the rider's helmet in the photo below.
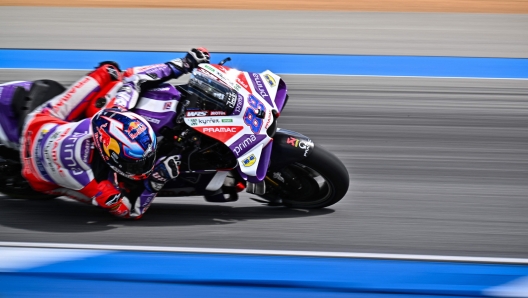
(217, 94)
(126, 142)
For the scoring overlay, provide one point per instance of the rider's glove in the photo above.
(122, 208)
(166, 168)
(117, 204)
(197, 56)
(190, 61)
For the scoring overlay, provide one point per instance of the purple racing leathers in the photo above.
(143, 78)
(57, 153)
(158, 106)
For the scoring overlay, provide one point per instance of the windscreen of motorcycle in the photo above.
(244, 130)
(207, 87)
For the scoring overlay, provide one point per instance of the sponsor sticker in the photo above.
(239, 105)
(259, 86)
(244, 144)
(217, 74)
(87, 150)
(167, 105)
(269, 120)
(231, 100)
(135, 128)
(54, 151)
(249, 161)
(151, 120)
(204, 113)
(196, 113)
(68, 155)
(301, 144)
(242, 81)
(204, 121)
(221, 133)
(208, 74)
(208, 121)
(221, 68)
(220, 129)
(227, 120)
(270, 80)
(209, 67)
(217, 113)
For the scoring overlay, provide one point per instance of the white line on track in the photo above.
(268, 252)
(305, 74)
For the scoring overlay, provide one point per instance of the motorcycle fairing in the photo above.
(245, 130)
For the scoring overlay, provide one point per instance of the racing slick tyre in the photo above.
(318, 181)
(18, 192)
(13, 185)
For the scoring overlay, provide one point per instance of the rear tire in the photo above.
(13, 185)
(24, 192)
(318, 181)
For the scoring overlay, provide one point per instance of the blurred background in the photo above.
(438, 165)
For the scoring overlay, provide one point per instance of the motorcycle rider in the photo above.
(77, 143)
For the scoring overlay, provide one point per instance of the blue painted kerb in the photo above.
(190, 274)
(361, 65)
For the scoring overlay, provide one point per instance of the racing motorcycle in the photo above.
(227, 144)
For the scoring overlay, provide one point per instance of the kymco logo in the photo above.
(220, 129)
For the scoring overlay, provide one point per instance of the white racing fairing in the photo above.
(244, 132)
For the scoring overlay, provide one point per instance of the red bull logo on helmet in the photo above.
(135, 128)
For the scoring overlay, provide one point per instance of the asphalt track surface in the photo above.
(424, 34)
(437, 166)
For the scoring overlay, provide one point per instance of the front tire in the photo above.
(318, 181)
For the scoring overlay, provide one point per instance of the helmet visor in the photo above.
(138, 169)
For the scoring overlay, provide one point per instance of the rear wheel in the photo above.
(318, 181)
(13, 185)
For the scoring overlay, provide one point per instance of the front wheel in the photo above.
(318, 181)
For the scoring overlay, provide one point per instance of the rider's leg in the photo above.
(72, 104)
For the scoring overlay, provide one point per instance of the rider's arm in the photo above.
(144, 77)
(117, 200)
(166, 168)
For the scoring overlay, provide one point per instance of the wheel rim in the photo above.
(300, 185)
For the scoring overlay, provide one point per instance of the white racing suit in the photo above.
(57, 149)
